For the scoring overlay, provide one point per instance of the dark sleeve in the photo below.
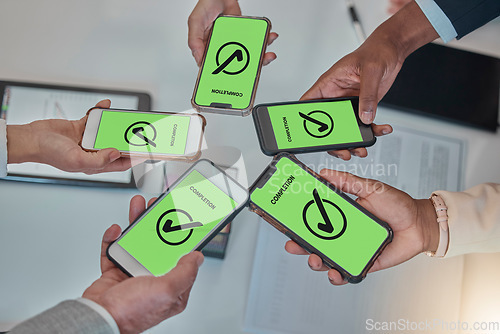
(468, 15)
(68, 317)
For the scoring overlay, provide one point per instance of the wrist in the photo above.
(21, 146)
(427, 220)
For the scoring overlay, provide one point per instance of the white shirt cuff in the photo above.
(438, 19)
(102, 312)
(3, 148)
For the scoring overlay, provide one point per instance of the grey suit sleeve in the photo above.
(68, 317)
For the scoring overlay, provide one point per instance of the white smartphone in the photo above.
(183, 219)
(149, 134)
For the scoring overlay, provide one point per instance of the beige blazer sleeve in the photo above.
(473, 219)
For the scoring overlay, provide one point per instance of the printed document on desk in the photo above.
(285, 296)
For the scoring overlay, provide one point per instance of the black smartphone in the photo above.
(323, 220)
(311, 126)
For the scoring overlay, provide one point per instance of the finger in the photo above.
(370, 78)
(352, 184)
(381, 130)
(111, 234)
(136, 207)
(268, 58)
(151, 201)
(335, 277)
(315, 263)
(293, 248)
(104, 103)
(181, 278)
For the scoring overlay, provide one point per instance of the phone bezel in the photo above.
(194, 136)
(127, 263)
(267, 140)
(232, 111)
(267, 174)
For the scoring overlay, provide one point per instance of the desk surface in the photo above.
(50, 235)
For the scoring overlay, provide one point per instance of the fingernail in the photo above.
(367, 117)
(386, 131)
(114, 155)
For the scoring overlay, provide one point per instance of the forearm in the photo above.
(21, 146)
(408, 30)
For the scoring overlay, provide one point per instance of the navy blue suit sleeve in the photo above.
(468, 15)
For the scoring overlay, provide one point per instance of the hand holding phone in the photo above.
(148, 134)
(413, 222)
(55, 142)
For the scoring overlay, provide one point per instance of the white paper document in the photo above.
(419, 296)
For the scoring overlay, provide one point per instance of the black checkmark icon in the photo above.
(167, 227)
(322, 126)
(238, 54)
(326, 226)
(136, 131)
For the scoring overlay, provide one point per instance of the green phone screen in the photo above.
(177, 224)
(142, 132)
(320, 216)
(232, 62)
(314, 124)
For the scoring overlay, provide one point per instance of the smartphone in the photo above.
(153, 135)
(229, 74)
(183, 219)
(320, 218)
(311, 126)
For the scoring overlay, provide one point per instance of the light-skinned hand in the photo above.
(413, 222)
(200, 22)
(56, 142)
(139, 303)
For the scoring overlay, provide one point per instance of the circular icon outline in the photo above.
(344, 224)
(243, 47)
(331, 122)
(140, 122)
(159, 223)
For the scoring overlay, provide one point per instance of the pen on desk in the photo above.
(355, 21)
